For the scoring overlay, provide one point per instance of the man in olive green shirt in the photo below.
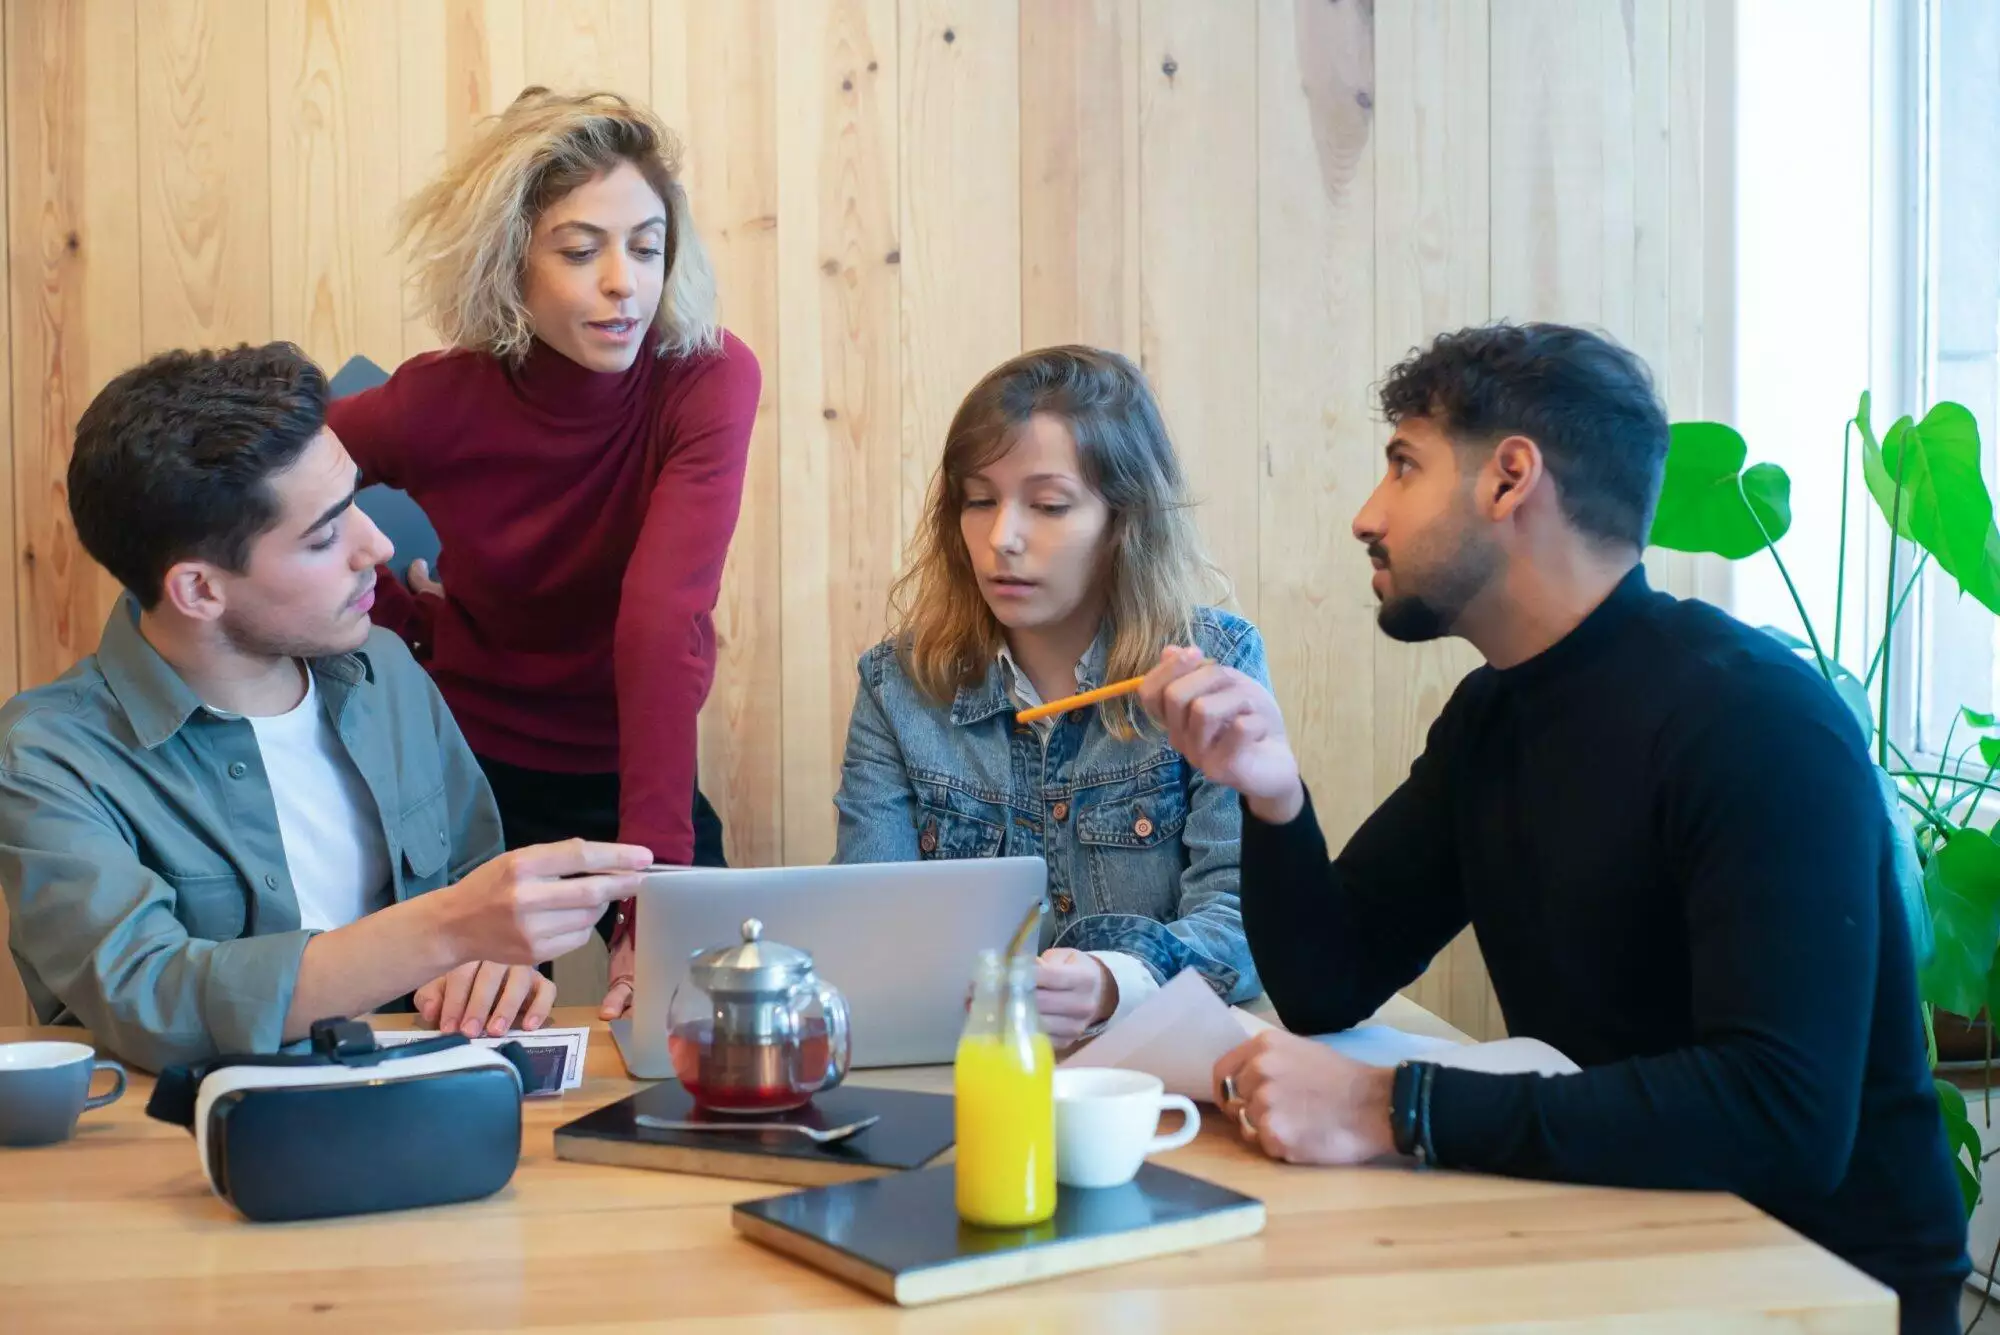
(249, 810)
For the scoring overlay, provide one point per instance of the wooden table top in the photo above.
(117, 1229)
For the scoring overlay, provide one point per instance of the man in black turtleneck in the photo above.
(1663, 826)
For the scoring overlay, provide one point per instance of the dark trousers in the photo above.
(539, 807)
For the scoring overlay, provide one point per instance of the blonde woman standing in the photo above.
(1057, 554)
(579, 446)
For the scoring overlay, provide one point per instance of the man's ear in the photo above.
(1515, 472)
(194, 590)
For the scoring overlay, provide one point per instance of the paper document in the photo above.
(554, 1055)
(1177, 1034)
(1181, 1031)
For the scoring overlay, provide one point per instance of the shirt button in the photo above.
(238, 770)
(271, 880)
(1142, 827)
(1061, 811)
(1064, 903)
(441, 834)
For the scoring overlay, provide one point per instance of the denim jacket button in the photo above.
(1142, 827)
(1060, 811)
(1064, 903)
(927, 841)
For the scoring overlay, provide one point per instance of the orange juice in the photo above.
(1006, 1115)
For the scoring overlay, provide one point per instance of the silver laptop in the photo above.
(899, 939)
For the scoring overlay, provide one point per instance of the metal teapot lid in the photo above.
(756, 965)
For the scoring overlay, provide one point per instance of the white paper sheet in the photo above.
(1182, 1030)
(1177, 1034)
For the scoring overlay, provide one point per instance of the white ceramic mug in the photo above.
(1106, 1120)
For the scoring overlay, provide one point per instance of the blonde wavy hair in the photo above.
(468, 231)
(1154, 565)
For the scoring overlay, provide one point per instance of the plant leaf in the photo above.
(1962, 1137)
(1976, 720)
(1710, 503)
(1881, 484)
(1989, 751)
(1962, 884)
(1944, 494)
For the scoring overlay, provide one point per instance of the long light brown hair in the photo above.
(1155, 572)
(469, 230)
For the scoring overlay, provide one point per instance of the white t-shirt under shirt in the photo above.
(334, 846)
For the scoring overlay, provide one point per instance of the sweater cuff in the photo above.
(1298, 838)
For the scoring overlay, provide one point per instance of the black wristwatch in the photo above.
(1410, 1110)
(1403, 1106)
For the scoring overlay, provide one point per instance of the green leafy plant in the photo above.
(1926, 480)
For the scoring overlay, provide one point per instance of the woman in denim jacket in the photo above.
(1056, 554)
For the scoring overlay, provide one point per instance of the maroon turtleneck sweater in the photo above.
(583, 520)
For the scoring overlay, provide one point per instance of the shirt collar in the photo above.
(159, 703)
(1006, 685)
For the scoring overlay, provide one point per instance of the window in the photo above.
(1955, 109)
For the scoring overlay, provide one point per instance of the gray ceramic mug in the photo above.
(45, 1086)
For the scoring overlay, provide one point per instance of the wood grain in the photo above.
(205, 173)
(335, 180)
(960, 204)
(13, 997)
(73, 243)
(714, 70)
(578, 46)
(458, 62)
(1080, 173)
(837, 382)
(1315, 294)
(571, 1246)
(1198, 260)
(1431, 268)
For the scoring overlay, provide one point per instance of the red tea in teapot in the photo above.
(738, 1076)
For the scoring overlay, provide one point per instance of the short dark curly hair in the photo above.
(173, 458)
(1587, 402)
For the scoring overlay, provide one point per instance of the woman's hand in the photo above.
(418, 577)
(618, 996)
(1074, 992)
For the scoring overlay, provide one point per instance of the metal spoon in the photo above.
(824, 1136)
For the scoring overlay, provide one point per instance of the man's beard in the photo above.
(1432, 613)
(254, 640)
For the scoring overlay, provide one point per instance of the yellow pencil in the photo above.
(1111, 692)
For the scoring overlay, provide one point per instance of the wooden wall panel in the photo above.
(1267, 204)
(837, 382)
(335, 179)
(1318, 443)
(458, 61)
(1080, 173)
(13, 997)
(960, 206)
(576, 46)
(714, 72)
(1198, 272)
(1431, 271)
(73, 247)
(205, 173)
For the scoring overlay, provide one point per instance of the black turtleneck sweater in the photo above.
(1669, 838)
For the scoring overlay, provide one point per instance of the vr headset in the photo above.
(351, 1127)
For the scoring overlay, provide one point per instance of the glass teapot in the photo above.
(753, 1030)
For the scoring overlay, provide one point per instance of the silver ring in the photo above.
(1229, 1089)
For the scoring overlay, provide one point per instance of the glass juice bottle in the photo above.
(1005, 1110)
